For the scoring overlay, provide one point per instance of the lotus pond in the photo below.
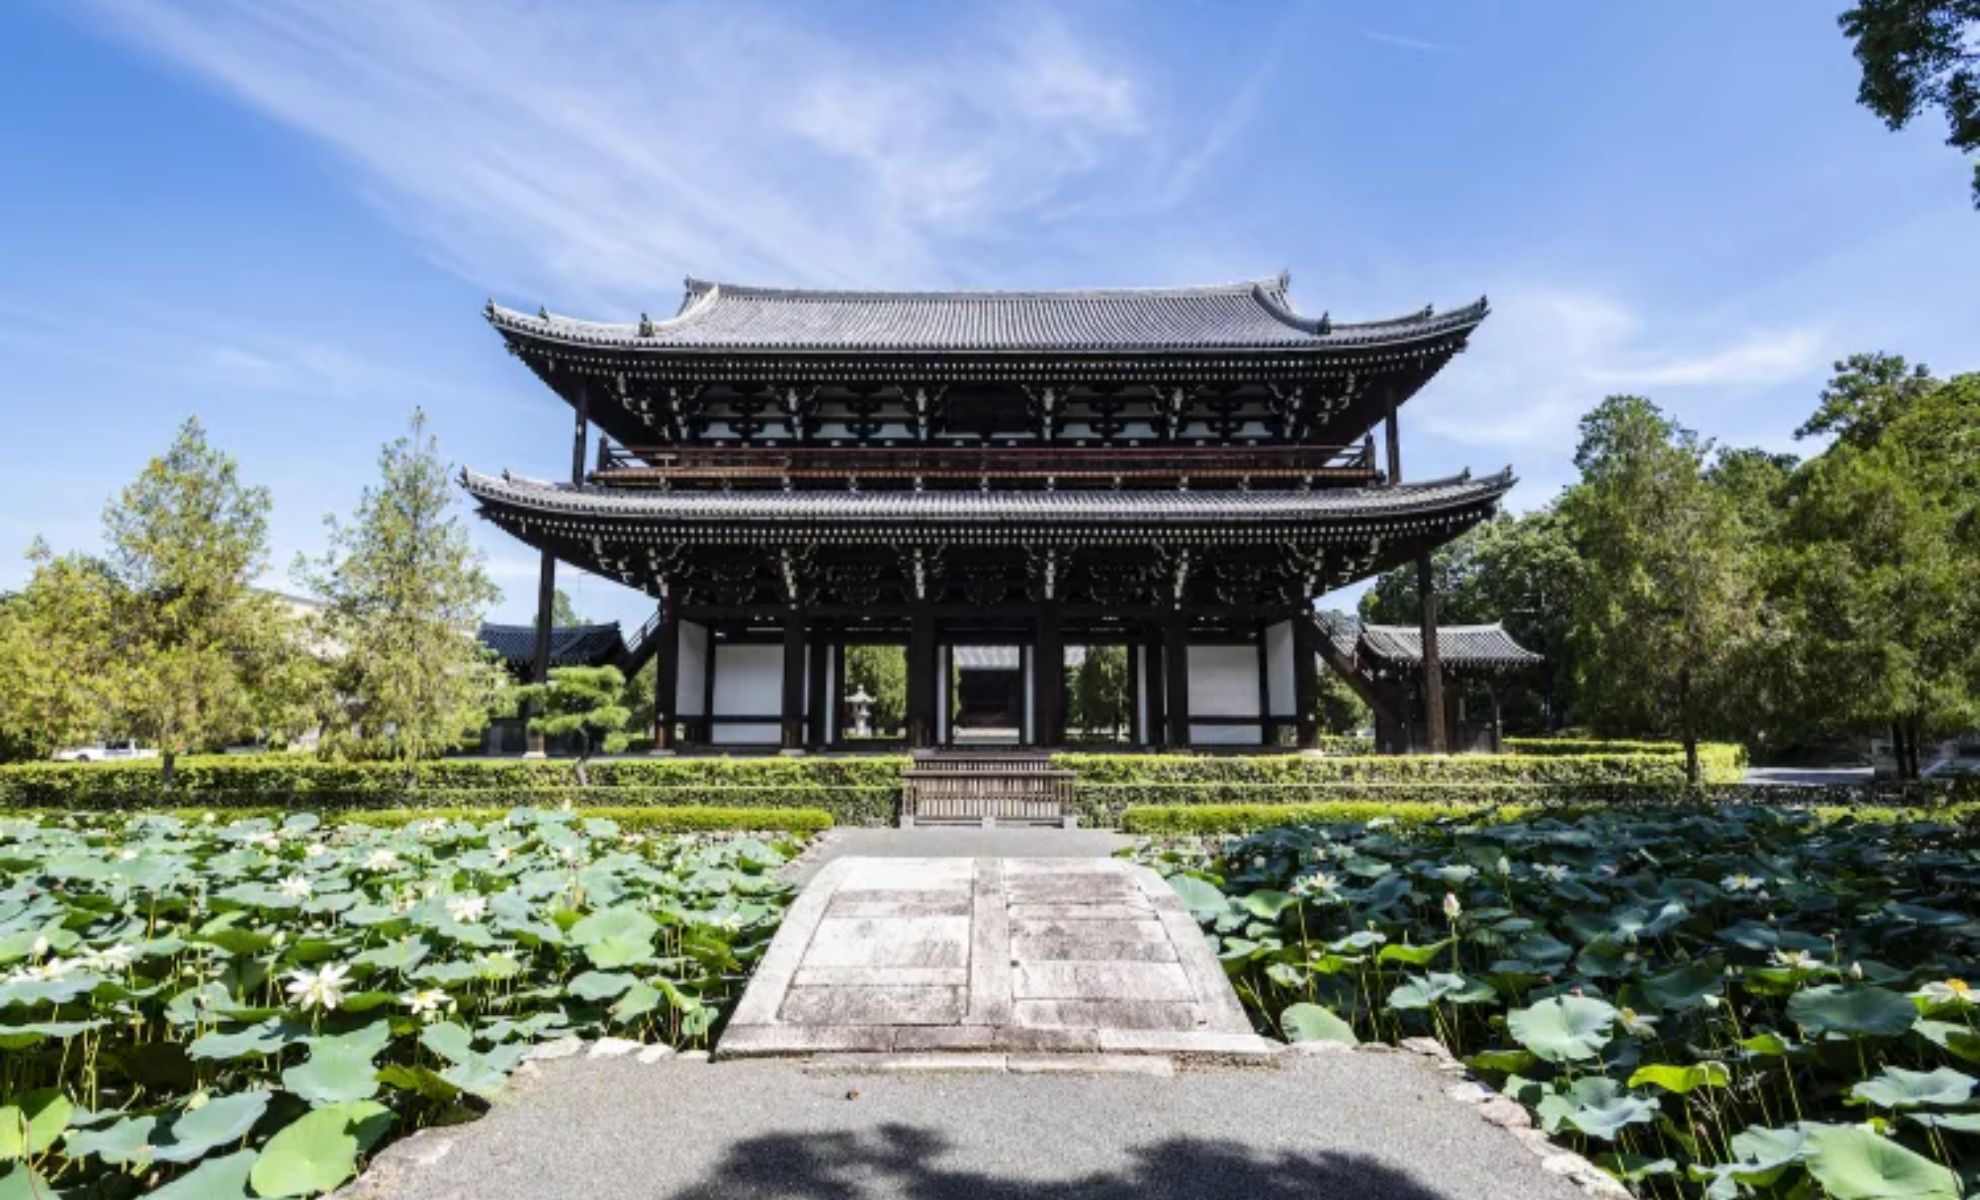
(1720, 1003)
(244, 1008)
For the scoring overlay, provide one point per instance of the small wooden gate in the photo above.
(985, 787)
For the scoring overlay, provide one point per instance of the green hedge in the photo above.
(1723, 754)
(1955, 800)
(854, 790)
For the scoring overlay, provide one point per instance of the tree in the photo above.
(1665, 610)
(404, 591)
(1882, 557)
(1918, 55)
(562, 611)
(1099, 691)
(1520, 571)
(197, 654)
(1336, 707)
(882, 672)
(54, 655)
(587, 703)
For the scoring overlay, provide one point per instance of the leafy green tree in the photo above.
(404, 591)
(1918, 55)
(1882, 557)
(198, 654)
(1521, 571)
(584, 703)
(1336, 707)
(1664, 617)
(1098, 694)
(562, 611)
(882, 672)
(54, 655)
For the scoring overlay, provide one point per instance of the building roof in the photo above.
(570, 645)
(1249, 315)
(1458, 646)
(885, 510)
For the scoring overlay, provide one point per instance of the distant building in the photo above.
(1384, 665)
(1179, 471)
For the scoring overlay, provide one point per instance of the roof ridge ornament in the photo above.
(645, 325)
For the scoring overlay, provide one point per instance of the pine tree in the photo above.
(404, 591)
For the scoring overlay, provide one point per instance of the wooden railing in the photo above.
(918, 465)
(986, 788)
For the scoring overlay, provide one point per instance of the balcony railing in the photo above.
(952, 466)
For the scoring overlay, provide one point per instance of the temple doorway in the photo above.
(987, 696)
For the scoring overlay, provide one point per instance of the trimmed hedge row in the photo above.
(669, 819)
(1956, 800)
(1708, 752)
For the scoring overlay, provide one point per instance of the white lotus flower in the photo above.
(322, 989)
(1551, 872)
(1318, 883)
(1452, 907)
(381, 860)
(54, 968)
(1636, 1023)
(111, 958)
(208, 817)
(1799, 960)
(126, 855)
(265, 840)
(39, 948)
(467, 908)
(295, 887)
(315, 850)
(1950, 991)
(426, 1003)
(504, 853)
(1740, 881)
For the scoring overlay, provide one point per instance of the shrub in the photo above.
(683, 818)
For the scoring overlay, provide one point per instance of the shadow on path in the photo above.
(898, 1160)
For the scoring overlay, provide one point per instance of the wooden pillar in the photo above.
(1175, 652)
(1306, 678)
(1434, 737)
(793, 708)
(816, 696)
(1048, 677)
(546, 576)
(1151, 733)
(666, 675)
(1392, 435)
(1137, 730)
(921, 682)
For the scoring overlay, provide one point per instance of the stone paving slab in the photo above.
(985, 956)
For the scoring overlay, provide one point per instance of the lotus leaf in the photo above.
(1900, 1088)
(1314, 1023)
(1440, 987)
(1860, 1010)
(125, 1141)
(219, 1121)
(1682, 1080)
(318, 1150)
(1852, 1163)
(1563, 1028)
(31, 1124)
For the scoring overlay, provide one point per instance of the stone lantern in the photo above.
(861, 705)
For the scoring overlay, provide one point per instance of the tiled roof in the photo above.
(989, 507)
(1457, 645)
(1250, 315)
(570, 645)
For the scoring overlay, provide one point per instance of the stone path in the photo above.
(989, 958)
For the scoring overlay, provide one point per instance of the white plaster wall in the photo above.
(1223, 682)
(1279, 669)
(749, 681)
(691, 684)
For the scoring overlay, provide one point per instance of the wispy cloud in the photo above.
(595, 154)
(1406, 43)
(1549, 354)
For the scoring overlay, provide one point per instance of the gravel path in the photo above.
(1337, 1126)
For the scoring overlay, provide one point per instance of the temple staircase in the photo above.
(986, 787)
(641, 646)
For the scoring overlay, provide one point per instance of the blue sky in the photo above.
(284, 216)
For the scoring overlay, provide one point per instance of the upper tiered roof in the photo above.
(1254, 314)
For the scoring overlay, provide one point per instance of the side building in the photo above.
(1180, 472)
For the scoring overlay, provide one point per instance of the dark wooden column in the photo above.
(546, 577)
(1306, 678)
(1426, 602)
(666, 675)
(816, 696)
(1136, 730)
(793, 714)
(1048, 677)
(1433, 667)
(1175, 670)
(921, 681)
(1151, 734)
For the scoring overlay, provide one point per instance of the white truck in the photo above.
(110, 751)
